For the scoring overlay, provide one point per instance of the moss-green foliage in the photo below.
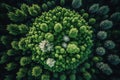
(63, 77)
(72, 77)
(45, 77)
(44, 27)
(11, 52)
(7, 6)
(24, 8)
(3, 59)
(92, 21)
(15, 29)
(58, 27)
(50, 4)
(10, 66)
(5, 41)
(62, 2)
(34, 10)
(44, 7)
(36, 71)
(85, 15)
(38, 42)
(87, 76)
(72, 48)
(14, 45)
(21, 44)
(87, 65)
(44, 37)
(23, 28)
(73, 33)
(49, 37)
(22, 72)
(96, 59)
(21, 14)
(18, 16)
(24, 61)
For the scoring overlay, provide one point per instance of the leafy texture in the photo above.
(47, 41)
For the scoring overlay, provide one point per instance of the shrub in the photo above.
(114, 59)
(11, 52)
(5, 41)
(115, 16)
(63, 77)
(49, 37)
(24, 61)
(106, 24)
(94, 8)
(76, 3)
(3, 58)
(104, 10)
(44, 7)
(85, 15)
(45, 77)
(36, 71)
(15, 45)
(73, 33)
(102, 35)
(104, 68)
(34, 10)
(15, 29)
(44, 27)
(58, 27)
(72, 77)
(49, 3)
(22, 45)
(100, 51)
(62, 2)
(87, 65)
(17, 16)
(87, 76)
(10, 66)
(23, 29)
(24, 8)
(72, 48)
(21, 73)
(92, 21)
(109, 44)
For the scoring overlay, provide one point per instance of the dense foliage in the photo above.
(44, 40)
(59, 40)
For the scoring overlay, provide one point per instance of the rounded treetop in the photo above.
(59, 39)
